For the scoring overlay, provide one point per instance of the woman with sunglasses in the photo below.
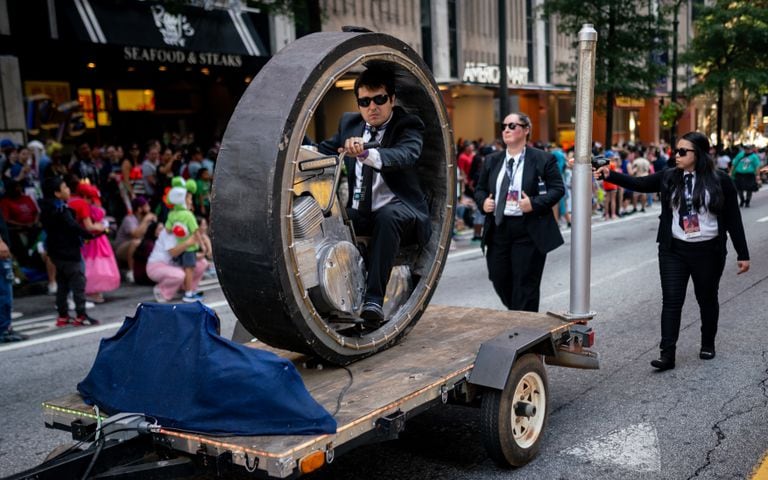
(517, 189)
(699, 208)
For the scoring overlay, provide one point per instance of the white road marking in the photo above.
(71, 332)
(28, 321)
(74, 332)
(762, 220)
(218, 304)
(633, 448)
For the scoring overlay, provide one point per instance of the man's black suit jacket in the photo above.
(540, 223)
(729, 220)
(400, 152)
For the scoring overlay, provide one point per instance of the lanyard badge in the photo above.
(691, 225)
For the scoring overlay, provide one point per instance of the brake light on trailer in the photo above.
(312, 462)
(583, 335)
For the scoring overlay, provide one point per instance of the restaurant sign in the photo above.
(485, 74)
(141, 54)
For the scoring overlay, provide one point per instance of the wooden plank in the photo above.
(444, 343)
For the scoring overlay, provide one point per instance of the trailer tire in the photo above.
(513, 440)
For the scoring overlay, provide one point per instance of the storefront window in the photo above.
(136, 100)
(94, 107)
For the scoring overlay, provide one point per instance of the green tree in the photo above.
(729, 50)
(628, 42)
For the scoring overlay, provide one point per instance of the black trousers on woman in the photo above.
(515, 265)
(704, 263)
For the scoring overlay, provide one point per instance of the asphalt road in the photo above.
(701, 420)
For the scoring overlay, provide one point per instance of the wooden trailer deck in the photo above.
(439, 353)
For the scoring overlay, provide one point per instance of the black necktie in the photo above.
(684, 202)
(366, 194)
(503, 190)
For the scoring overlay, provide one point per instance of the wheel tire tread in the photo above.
(504, 453)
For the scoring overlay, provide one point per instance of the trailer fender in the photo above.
(497, 355)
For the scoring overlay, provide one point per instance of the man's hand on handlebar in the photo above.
(354, 146)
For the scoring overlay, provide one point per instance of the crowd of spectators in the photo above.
(117, 194)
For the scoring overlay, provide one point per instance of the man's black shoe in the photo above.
(11, 336)
(663, 363)
(707, 353)
(372, 315)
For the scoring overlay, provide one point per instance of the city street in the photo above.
(704, 419)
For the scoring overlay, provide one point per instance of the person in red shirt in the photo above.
(611, 191)
(465, 157)
(101, 272)
(22, 215)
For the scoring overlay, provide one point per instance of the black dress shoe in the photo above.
(707, 353)
(663, 363)
(372, 315)
(10, 336)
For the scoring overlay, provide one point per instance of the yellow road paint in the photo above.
(761, 471)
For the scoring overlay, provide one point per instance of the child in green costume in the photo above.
(182, 223)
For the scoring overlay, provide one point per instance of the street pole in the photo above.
(673, 97)
(503, 81)
(581, 232)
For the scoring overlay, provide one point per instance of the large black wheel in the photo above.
(512, 420)
(289, 267)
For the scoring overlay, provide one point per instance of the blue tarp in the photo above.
(169, 362)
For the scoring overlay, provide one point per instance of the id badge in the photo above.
(513, 204)
(357, 195)
(691, 225)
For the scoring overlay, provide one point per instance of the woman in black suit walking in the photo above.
(699, 208)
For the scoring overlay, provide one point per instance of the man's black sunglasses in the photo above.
(681, 152)
(378, 100)
(512, 125)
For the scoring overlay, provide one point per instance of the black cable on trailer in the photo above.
(99, 446)
(89, 437)
(343, 391)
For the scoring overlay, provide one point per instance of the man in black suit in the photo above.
(386, 200)
(517, 189)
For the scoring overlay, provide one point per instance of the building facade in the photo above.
(459, 41)
(138, 70)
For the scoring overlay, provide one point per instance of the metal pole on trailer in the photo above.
(581, 232)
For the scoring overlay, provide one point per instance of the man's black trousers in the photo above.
(704, 263)
(515, 265)
(389, 227)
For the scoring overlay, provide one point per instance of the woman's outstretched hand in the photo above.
(743, 266)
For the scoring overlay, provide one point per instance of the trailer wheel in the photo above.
(512, 420)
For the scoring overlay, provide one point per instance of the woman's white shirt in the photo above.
(707, 221)
(161, 251)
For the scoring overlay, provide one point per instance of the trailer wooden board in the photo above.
(439, 353)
